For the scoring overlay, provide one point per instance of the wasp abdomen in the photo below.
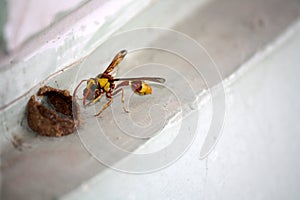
(141, 88)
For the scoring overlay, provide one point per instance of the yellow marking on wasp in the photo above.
(146, 89)
(95, 100)
(104, 84)
(90, 82)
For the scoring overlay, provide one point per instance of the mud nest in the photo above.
(56, 116)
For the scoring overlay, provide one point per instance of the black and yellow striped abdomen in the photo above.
(141, 88)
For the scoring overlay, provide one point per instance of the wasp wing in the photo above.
(153, 79)
(117, 59)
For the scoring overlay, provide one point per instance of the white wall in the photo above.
(257, 156)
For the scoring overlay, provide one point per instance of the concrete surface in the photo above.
(257, 155)
(52, 167)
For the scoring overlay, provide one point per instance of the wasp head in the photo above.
(90, 92)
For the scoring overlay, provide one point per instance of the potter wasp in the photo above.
(105, 83)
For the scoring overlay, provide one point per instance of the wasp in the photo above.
(106, 84)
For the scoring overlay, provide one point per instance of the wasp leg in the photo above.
(94, 101)
(123, 99)
(108, 94)
(104, 107)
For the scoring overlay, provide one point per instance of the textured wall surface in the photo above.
(256, 157)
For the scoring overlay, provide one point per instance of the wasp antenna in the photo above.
(161, 80)
(75, 91)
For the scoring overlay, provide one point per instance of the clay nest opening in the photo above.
(57, 115)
